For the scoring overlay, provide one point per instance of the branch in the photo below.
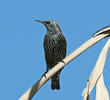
(97, 72)
(31, 91)
(101, 90)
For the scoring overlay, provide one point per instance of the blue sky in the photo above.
(22, 60)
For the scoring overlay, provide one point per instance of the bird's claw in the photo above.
(44, 74)
(63, 61)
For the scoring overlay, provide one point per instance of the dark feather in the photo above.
(55, 51)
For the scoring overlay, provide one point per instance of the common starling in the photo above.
(54, 48)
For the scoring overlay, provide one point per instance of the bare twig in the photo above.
(31, 91)
(96, 74)
(101, 90)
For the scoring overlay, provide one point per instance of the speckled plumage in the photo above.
(55, 49)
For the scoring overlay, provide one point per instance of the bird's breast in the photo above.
(51, 40)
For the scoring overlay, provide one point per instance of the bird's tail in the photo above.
(55, 84)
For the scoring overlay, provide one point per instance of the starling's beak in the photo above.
(43, 22)
(40, 21)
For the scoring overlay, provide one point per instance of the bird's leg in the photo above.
(63, 61)
(45, 72)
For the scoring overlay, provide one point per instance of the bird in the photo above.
(55, 49)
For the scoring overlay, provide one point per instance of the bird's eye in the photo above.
(47, 22)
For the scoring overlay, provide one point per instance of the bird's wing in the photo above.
(48, 50)
(55, 49)
(61, 47)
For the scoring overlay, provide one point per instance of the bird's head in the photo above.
(51, 25)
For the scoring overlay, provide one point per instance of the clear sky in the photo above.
(22, 60)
